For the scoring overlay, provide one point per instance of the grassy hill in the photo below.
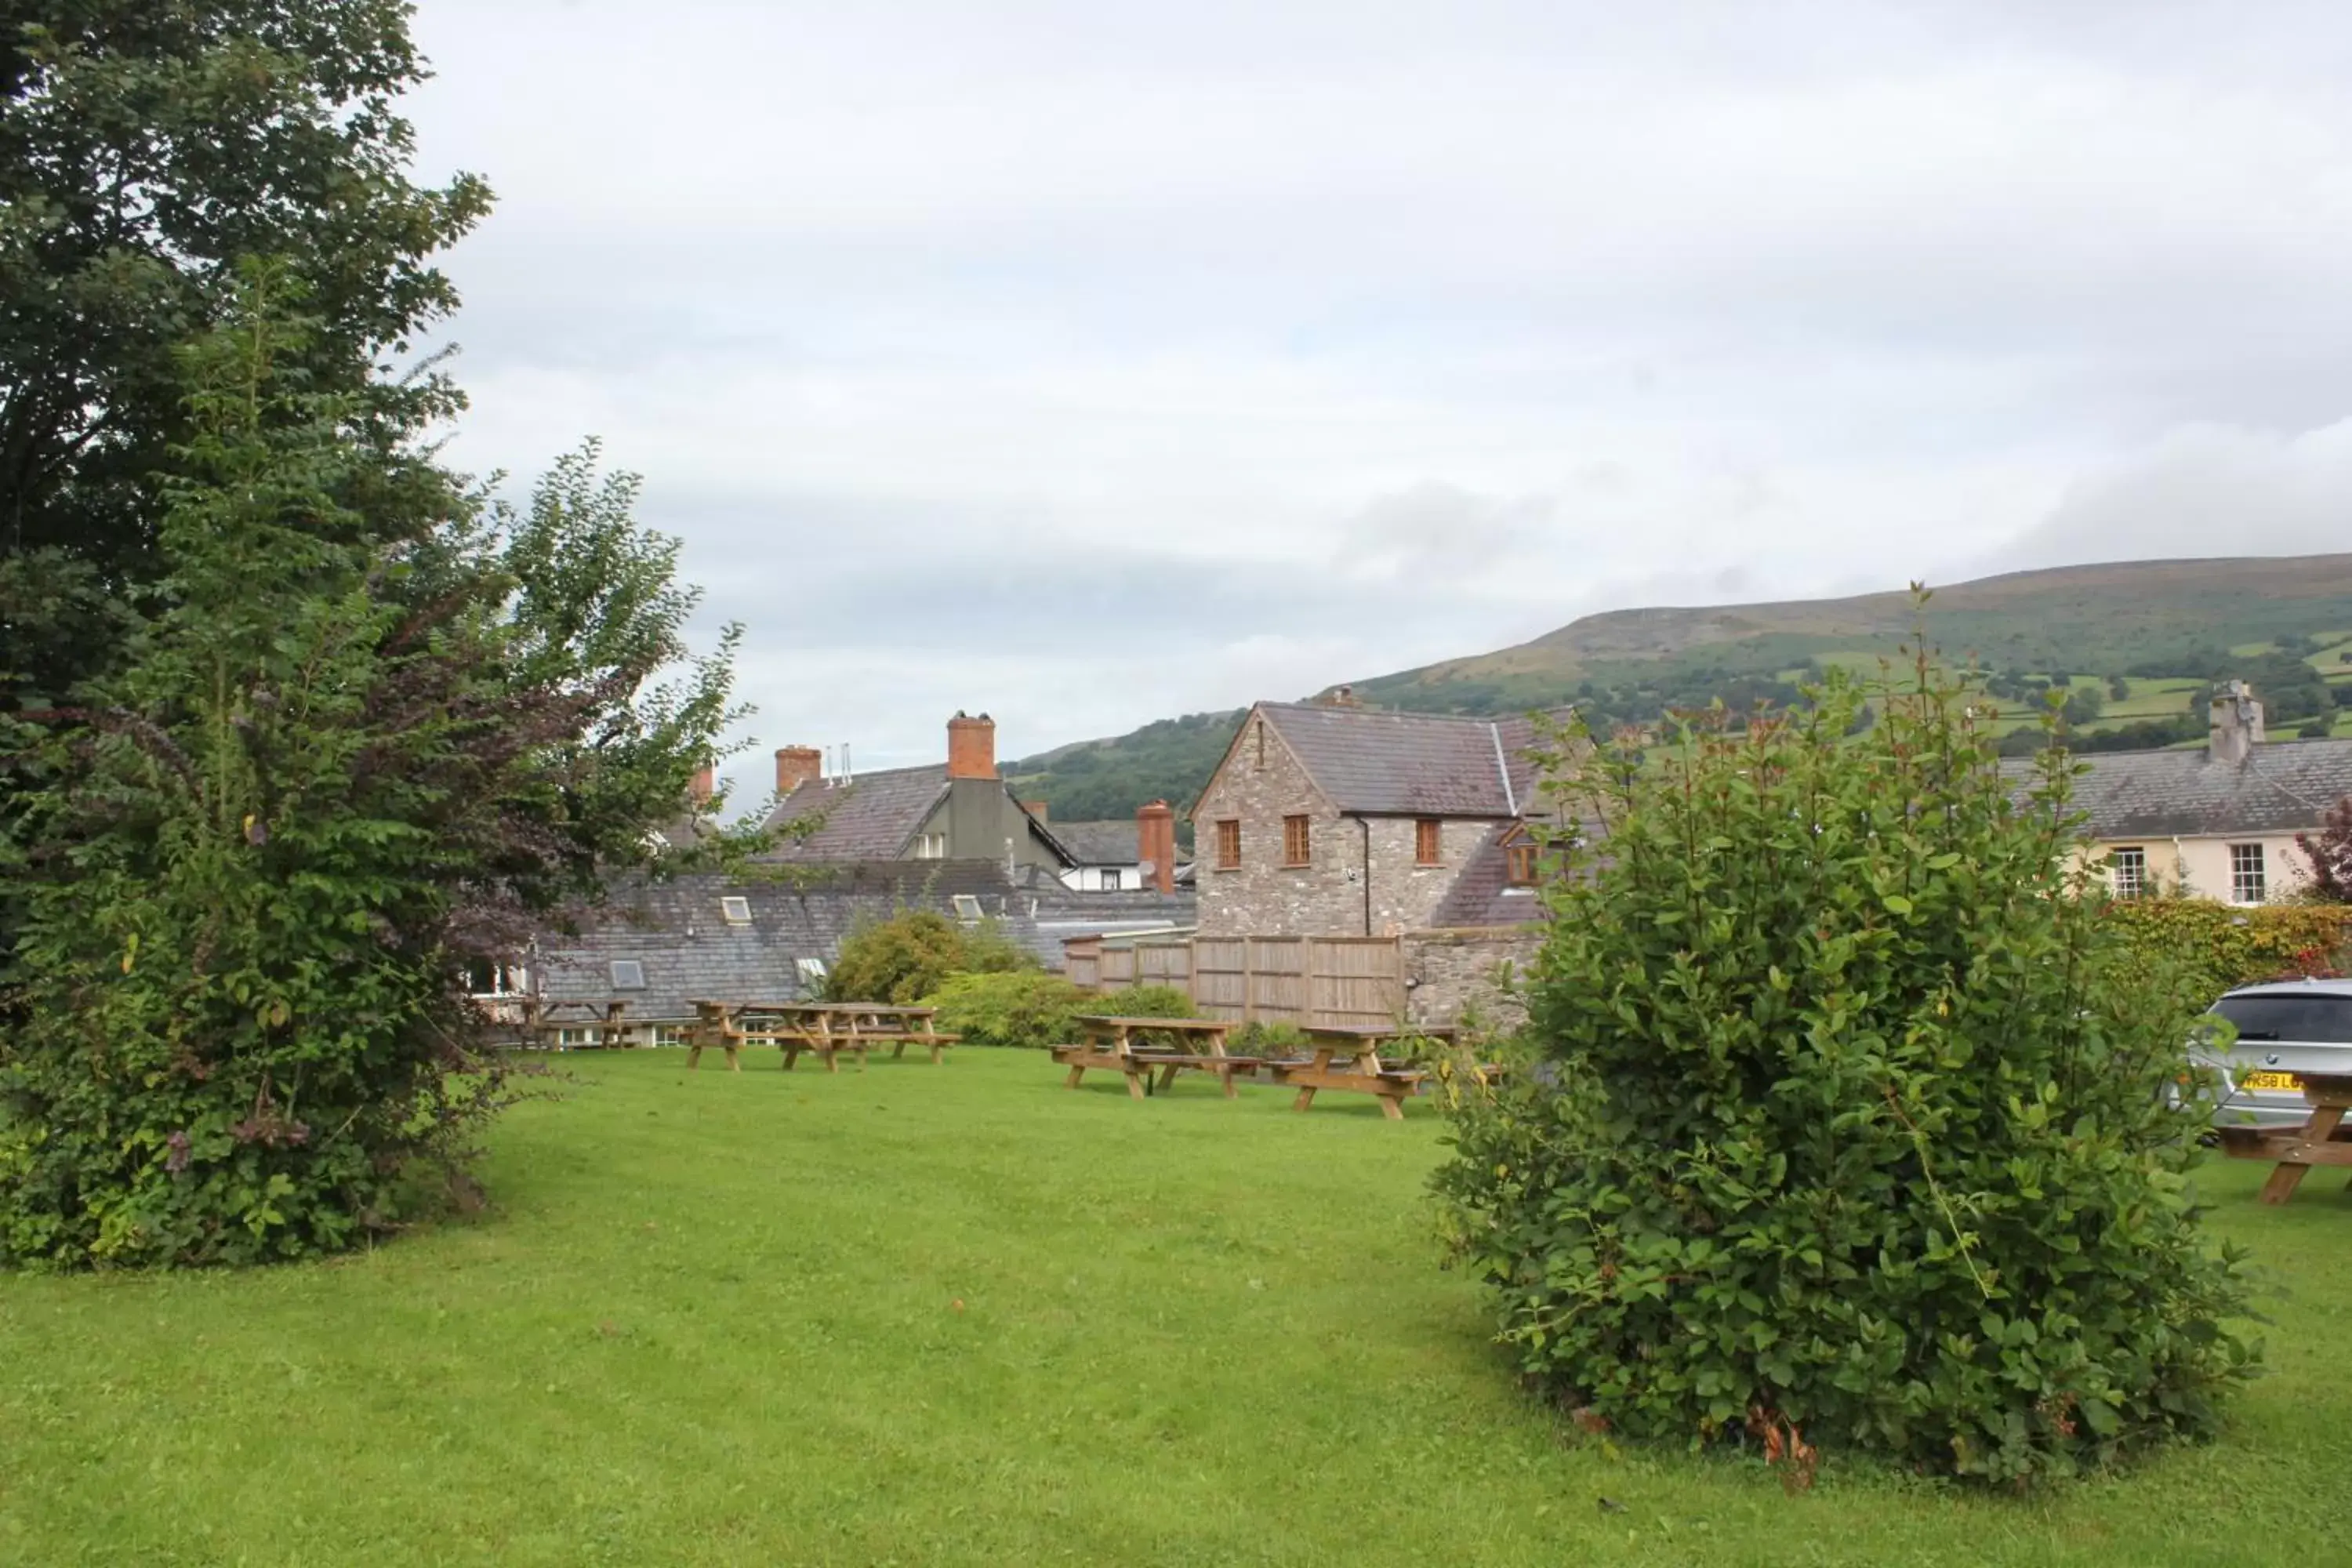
(2133, 645)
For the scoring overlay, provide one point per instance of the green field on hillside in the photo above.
(2168, 629)
(960, 1315)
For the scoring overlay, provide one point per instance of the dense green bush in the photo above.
(911, 955)
(1026, 1008)
(1264, 1037)
(1149, 1002)
(1850, 1123)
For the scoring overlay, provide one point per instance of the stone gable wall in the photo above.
(1324, 898)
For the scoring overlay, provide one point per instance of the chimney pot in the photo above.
(1040, 809)
(971, 747)
(797, 766)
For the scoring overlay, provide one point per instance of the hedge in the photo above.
(2226, 946)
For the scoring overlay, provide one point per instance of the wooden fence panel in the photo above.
(1164, 964)
(1277, 978)
(1221, 977)
(1328, 982)
(1354, 982)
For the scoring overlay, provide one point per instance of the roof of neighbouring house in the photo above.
(2283, 786)
(1112, 843)
(1412, 764)
(677, 930)
(871, 817)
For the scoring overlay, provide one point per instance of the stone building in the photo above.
(1332, 819)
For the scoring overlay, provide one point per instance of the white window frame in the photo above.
(2249, 874)
(736, 910)
(930, 847)
(669, 1033)
(506, 980)
(613, 968)
(967, 906)
(2128, 871)
(810, 972)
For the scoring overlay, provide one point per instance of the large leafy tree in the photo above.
(1853, 1123)
(146, 148)
(348, 758)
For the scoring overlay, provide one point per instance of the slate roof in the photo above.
(1110, 843)
(2284, 786)
(1481, 894)
(679, 931)
(870, 818)
(1411, 764)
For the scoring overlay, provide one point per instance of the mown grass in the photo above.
(960, 1315)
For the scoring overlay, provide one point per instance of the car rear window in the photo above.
(2325, 1020)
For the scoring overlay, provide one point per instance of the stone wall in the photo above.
(1447, 971)
(1263, 784)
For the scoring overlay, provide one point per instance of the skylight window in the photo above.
(737, 909)
(967, 906)
(628, 975)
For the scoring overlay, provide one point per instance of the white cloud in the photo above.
(2205, 491)
(1089, 363)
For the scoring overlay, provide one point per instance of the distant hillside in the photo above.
(2135, 643)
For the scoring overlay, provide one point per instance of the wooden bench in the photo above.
(1110, 1045)
(2325, 1139)
(1363, 1074)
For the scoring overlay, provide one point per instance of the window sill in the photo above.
(1299, 865)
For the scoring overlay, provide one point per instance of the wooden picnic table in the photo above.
(822, 1029)
(546, 1023)
(1109, 1043)
(2324, 1140)
(1365, 1073)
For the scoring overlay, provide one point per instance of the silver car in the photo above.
(2284, 1029)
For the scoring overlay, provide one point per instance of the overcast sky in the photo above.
(1089, 362)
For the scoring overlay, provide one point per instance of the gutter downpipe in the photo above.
(1366, 824)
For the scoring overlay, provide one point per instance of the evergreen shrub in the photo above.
(1850, 1123)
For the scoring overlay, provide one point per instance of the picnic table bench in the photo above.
(1109, 1043)
(545, 1023)
(2324, 1140)
(1365, 1073)
(822, 1029)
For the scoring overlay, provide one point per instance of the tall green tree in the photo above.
(146, 148)
(356, 751)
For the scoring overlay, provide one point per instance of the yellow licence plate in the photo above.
(2286, 1080)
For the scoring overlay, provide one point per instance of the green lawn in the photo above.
(960, 1315)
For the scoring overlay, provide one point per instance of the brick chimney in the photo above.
(704, 786)
(1040, 810)
(971, 747)
(2235, 724)
(1155, 843)
(797, 766)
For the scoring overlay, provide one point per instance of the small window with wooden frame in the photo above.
(1428, 842)
(1229, 843)
(1522, 858)
(1298, 841)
